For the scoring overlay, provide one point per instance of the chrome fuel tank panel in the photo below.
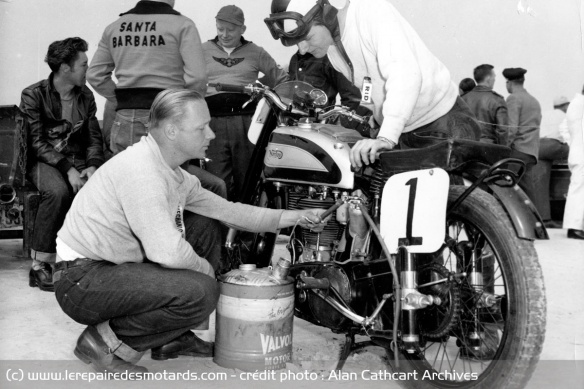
(317, 155)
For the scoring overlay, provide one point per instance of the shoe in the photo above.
(43, 278)
(575, 234)
(186, 344)
(552, 224)
(92, 349)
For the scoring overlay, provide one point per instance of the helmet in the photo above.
(291, 20)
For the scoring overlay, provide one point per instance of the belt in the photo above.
(59, 267)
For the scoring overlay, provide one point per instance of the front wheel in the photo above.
(489, 329)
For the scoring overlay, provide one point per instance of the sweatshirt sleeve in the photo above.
(193, 56)
(99, 74)
(274, 74)
(237, 215)
(149, 216)
(399, 68)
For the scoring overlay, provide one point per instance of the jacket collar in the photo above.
(51, 86)
(242, 41)
(145, 7)
(482, 88)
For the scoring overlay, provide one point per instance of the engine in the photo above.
(306, 245)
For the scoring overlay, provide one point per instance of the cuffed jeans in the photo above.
(56, 196)
(144, 304)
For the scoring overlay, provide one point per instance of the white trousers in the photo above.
(574, 212)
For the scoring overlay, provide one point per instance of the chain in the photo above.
(22, 146)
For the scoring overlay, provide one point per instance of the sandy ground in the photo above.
(36, 337)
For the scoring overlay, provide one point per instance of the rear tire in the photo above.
(517, 319)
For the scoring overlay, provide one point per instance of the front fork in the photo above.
(412, 300)
(477, 262)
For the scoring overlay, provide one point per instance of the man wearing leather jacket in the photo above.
(488, 106)
(65, 146)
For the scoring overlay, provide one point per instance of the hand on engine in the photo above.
(312, 220)
(307, 218)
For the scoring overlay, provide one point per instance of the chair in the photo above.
(22, 207)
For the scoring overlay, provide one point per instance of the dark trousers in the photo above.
(230, 152)
(549, 151)
(146, 304)
(527, 182)
(56, 196)
(459, 123)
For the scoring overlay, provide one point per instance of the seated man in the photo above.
(66, 146)
(139, 248)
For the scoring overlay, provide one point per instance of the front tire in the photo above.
(485, 347)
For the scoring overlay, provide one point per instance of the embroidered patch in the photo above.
(229, 62)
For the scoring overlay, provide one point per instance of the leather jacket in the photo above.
(490, 109)
(53, 140)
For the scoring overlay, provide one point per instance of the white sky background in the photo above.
(542, 36)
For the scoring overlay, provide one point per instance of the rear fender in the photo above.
(522, 212)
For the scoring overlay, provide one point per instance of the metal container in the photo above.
(254, 321)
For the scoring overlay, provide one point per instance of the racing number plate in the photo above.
(413, 210)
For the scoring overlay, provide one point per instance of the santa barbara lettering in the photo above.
(138, 26)
(138, 40)
(272, 343)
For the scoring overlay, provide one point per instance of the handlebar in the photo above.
(268, 93)
(229, 88)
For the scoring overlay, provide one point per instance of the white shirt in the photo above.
(411, 87)
(554, 125)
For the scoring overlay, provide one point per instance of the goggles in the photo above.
(291, 27)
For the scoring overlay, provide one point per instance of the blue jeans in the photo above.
(56, 197)
(145, 304)
(129, 126)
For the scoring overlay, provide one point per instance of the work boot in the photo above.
(92, 349)
(186, 344)
(43, 277)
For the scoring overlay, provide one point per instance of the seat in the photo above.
(450, 155)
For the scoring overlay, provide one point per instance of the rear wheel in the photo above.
(489, 330)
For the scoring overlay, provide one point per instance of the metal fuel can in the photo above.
(254, 321)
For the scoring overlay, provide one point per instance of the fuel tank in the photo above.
(311, 153)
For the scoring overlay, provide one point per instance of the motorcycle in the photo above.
(428, 252)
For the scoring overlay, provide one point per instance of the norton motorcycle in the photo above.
(427, 252)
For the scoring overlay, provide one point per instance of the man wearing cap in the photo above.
(230, 59)
(524, 121)
(414, 98)
(553, 145)
(488, 106)
(574, 212)
(151, 48)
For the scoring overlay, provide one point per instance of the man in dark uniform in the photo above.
(488, 106)
(524, 121)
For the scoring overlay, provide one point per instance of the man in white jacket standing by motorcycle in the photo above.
(414, 98)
